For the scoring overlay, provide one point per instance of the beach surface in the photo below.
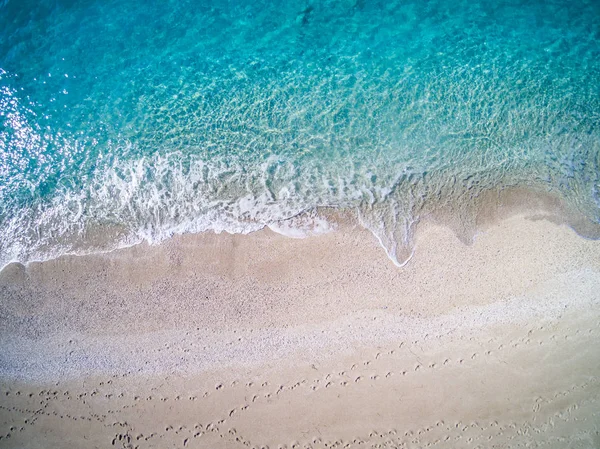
(261, 340)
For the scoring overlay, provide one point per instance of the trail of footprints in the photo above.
(40, 403)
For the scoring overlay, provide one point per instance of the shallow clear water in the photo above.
(123, 121)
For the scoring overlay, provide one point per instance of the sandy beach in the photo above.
(224, 341)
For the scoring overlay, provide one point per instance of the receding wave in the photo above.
(154, 198)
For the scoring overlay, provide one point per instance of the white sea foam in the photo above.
(153, 198)
(150, 199)
(304, 225)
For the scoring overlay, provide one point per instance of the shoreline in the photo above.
(466, 220)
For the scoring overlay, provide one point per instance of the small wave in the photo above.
(151, 199)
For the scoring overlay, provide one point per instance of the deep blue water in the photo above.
(123, 121)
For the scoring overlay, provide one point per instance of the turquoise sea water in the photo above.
(123, 121)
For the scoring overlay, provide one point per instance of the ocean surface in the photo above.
(128, 121)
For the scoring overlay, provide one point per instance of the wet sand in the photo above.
(220, 341)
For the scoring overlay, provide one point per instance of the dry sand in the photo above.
(219, 341)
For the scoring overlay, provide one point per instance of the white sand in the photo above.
(266, 341)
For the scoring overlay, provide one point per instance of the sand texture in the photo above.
(220, 341)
